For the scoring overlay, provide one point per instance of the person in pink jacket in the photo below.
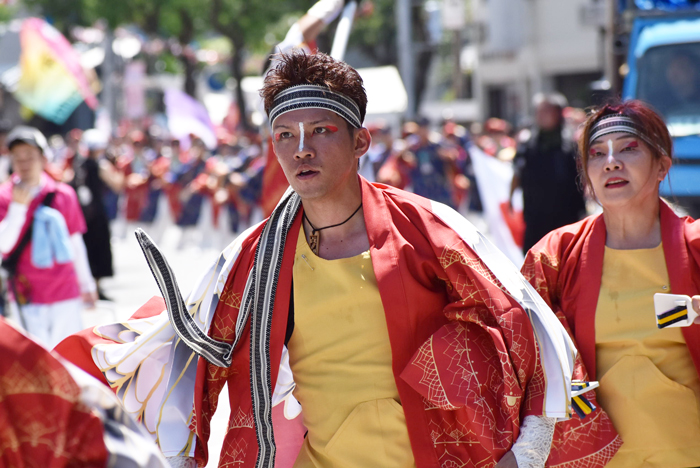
(41, 228)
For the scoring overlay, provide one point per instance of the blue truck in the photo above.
(663, 63)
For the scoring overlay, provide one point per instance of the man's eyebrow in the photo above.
(315, 122)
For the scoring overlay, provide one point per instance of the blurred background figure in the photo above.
(5, 164)
(378, 152)
(95, 176)
(43, 252)
(683, 79)
(433, 168)
(396, 168)
(545, 170)
(190, 180)
(496, 139)
(135, 162)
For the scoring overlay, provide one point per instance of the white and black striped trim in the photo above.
(258, 303)
(216, 352)
(265, 274)
(315, 97)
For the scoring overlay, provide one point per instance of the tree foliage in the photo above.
(243, 22)
(375, 35)
(5, 13)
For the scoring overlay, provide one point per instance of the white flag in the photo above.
(493, 178)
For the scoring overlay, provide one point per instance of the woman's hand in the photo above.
(508, 461)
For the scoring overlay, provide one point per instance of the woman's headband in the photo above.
(315, 97)
(617, 123)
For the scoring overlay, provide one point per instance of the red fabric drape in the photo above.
(42, 422)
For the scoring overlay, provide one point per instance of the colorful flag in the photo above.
(53, 82)
(187, 116)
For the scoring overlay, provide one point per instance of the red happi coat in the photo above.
(566, 268)
(42, 420)
(136, 196)
(464, 356)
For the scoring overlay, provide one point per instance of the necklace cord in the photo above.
(315, 230)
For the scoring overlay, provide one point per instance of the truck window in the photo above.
(669, 80)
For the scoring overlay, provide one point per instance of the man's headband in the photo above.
(617, 123)
(315, 97)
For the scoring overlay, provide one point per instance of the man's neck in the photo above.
(343, 241)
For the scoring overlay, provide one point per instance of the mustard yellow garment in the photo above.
(648, 383)
(341, 360)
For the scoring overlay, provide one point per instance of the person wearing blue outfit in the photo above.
(433, 172)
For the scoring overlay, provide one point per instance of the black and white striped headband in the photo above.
(315, 97)
(617, 123)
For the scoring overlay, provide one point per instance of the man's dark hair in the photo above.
(300, 68)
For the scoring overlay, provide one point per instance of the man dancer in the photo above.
(403, 337)
(301, 36)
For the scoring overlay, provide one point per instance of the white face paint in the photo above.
(610, 149)
(301, 136)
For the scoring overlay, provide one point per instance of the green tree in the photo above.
(178, 19)
(376, 37)
(243, 22)
(183, 20)
(5, 13)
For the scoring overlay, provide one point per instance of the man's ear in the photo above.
(362, 140)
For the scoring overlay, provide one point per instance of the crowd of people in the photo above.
(403, 337)
(142, 177)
